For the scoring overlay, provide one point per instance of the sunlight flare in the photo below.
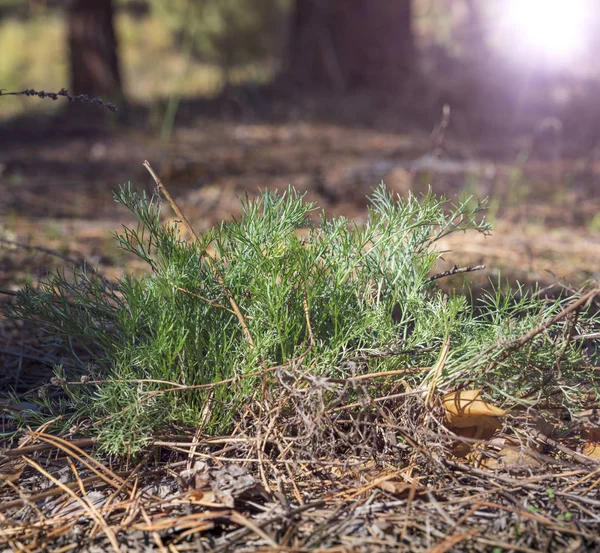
(555, 29)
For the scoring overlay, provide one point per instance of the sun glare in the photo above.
(554, 29)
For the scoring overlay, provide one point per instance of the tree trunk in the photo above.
(349, 44)
(94, 61)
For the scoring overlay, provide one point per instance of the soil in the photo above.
(57, 178)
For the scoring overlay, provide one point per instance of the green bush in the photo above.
(312, 290)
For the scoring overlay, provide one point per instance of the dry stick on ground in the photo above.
(211, 259)
(582, 458)
(84, 98)
(93, 514)
(517, 343)
(583, 480)
(133, 474)
(558, 361)
(125, 475)
(41, 249)
(240, 519)
(155, 535)
(455, 271)
(85, 382)
(530, 483)
(83, 442)
(105, 474)
(452, 540)
(96, 515)
(91, 463)
(228, 540)
(54, 253)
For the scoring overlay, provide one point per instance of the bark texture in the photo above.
(93, 49)
(348, 44)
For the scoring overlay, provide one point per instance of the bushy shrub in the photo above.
(285, 285)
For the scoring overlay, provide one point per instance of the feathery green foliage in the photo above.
(327, 291)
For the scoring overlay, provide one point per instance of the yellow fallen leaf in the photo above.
(206, 498)
(477, 427)
(396, 487)
(592, 434)
(480, 428)
(469, 416)
(592, 449)
(592, 444)
(470, 403)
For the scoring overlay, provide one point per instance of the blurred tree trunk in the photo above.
(93, 50)
(348, 44)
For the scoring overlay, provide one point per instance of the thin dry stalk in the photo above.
(439, 366)
(508, 348)
(155, 535)
(54, 253)
(238, 518)
(105, 474)
(211, 259)
(93, 514)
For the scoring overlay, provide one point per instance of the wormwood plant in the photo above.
(284, 285)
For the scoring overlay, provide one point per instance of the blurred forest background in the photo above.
(481, 98)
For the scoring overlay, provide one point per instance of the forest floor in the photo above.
(545, 208)
(57, 188)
